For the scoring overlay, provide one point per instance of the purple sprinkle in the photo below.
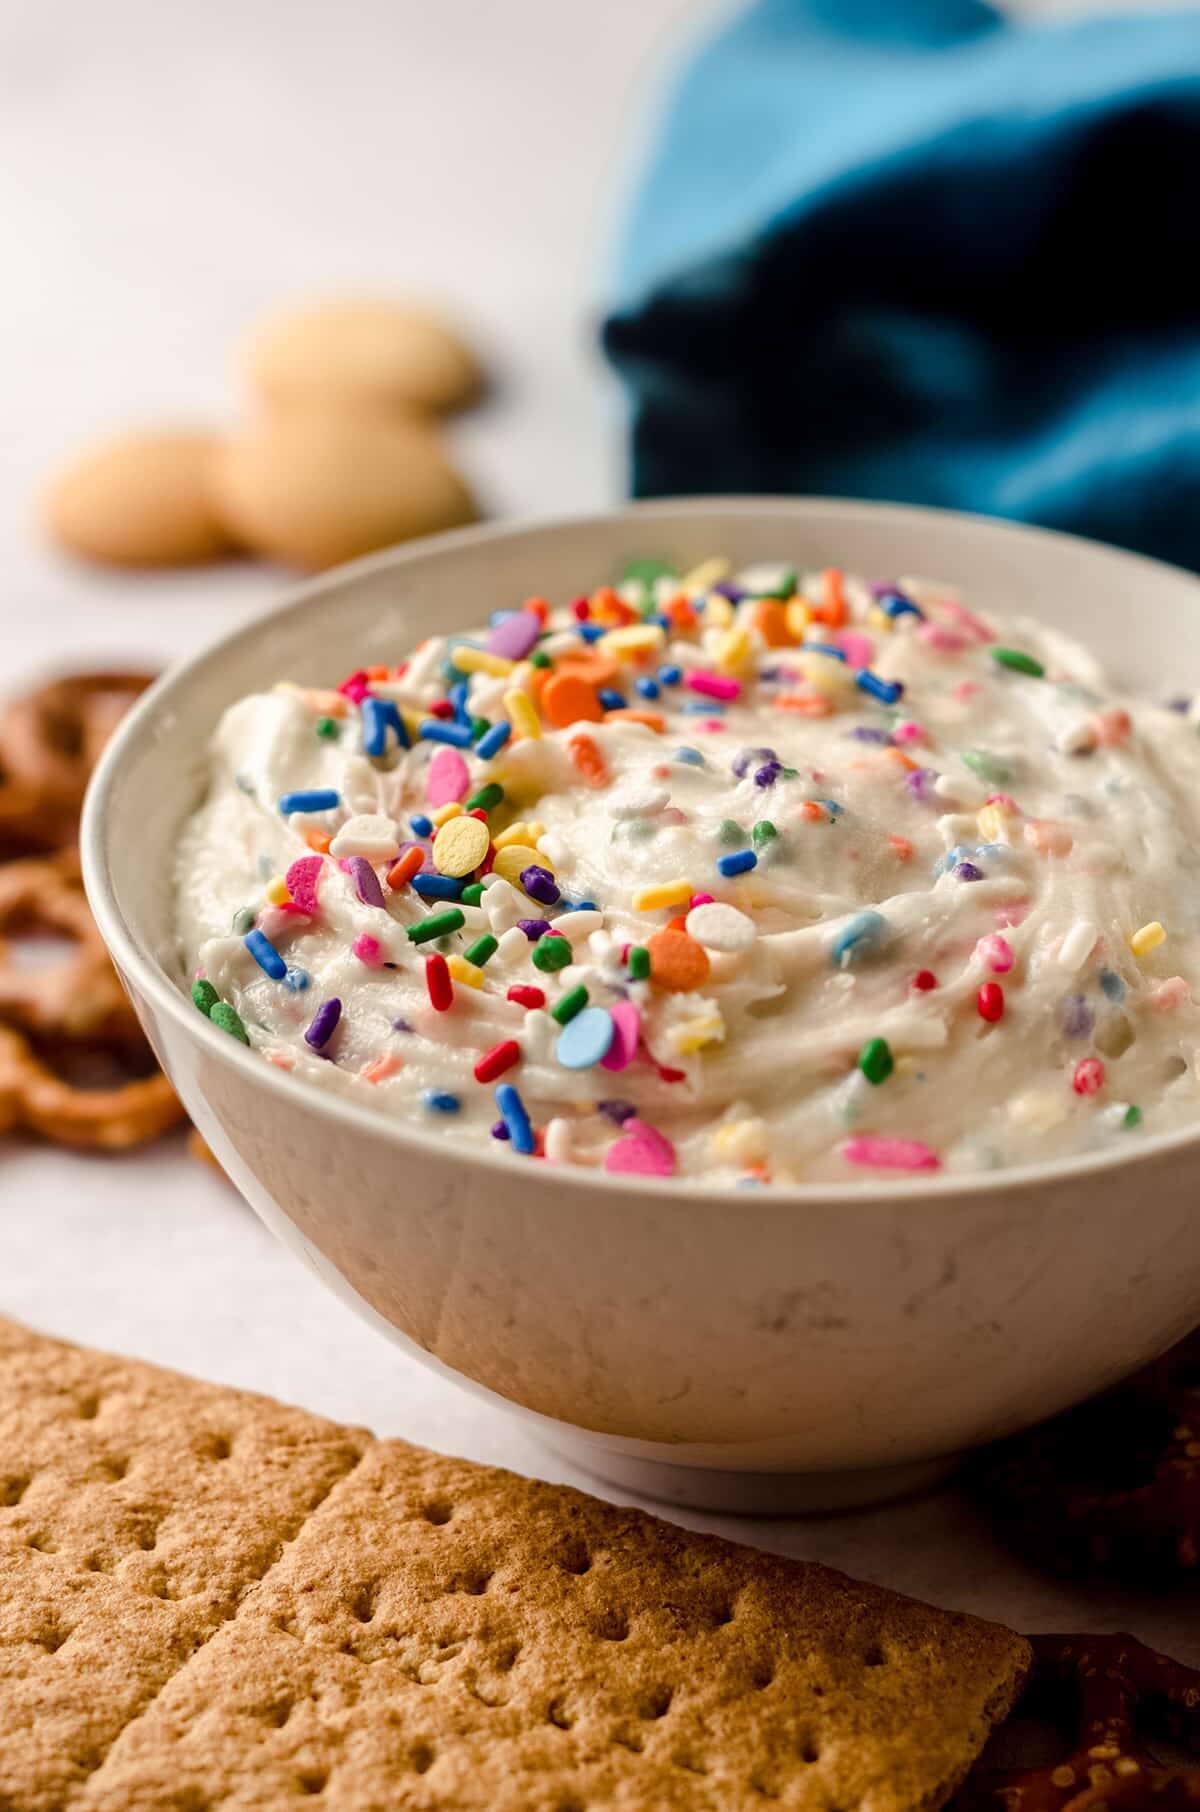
(727, 589)
(1180, 704)
(770, 674)
(879, 588)
(768, 774)
(865, 733)
(620, 1111)
(967, 871)
(1078, 1020)
(920, 783)
(539, 884)
(513, 636)
(324, 1024)
(499, 1130)
(745, 758)
(401, 1025)
(366, 881)
(534, 928)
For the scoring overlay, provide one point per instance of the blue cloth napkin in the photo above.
(909, 249)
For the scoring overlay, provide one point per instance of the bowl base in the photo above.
(748, 1493)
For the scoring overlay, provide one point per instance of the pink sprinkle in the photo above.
(368, 950)
(890, 1154)
(282, 1060)
(964, 691)
(946, 641)
(301, 881)
(858, 649)
(714, 685)
(966, 619)
(1111, 727)
(1172, 993)
(711, 724)
(996, 952)
(449, 779)
(1013, 913)
(910, 732)
(1004, 800)
(355, 688)
(379, 1068)
(700, 899)
(642, 1151)
(1049, 838)
(273, 921)
(627, 1023)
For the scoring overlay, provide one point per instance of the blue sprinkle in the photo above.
(265, 955)
(691, 758)
(864, 932)
(316, 799)
(297, 980)
(493, 740)
(669, 674)
(512, 1112)
(398, 1025)
(967, 871)
(824, 648)
(886, 691)
(436, 729)
(437, 887)
(1078, 1020)
(663, 622)
(611, 699)
(379, 715)
(585, 906)
(745, 759)
(591, 632)
(703, 707)
(1111, 985)
(960, 853)
(585, 1039)
(457, 694)
(832, 807)
(737, 862)
(993, 852)
(895, 604)
(440, 1101)
(421, 825)
(864, 733)
(647, 687)
(499, 616)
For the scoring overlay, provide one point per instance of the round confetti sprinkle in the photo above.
(585, 1040)
(448, 780)
(721, 927)
(678, 964)
(460, 846)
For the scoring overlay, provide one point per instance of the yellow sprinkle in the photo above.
(633, 638)
(277, 891)
(520, 832)
(879, 620)
(478, 660)
(1148, 938)
(523, 717)
(797, 615)
(734, 650)
(741, 1141)
(516, 856)
(707, 574)
(666, 893)
(460, 846)
(694, 1034)
(444, 813)
(536, 829)
(463, 971)
(825, 674)
(718, 611)
(995, 825)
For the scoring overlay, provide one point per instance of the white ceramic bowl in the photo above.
(760, 1350)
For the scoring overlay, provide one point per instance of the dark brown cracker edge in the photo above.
(433, 1634)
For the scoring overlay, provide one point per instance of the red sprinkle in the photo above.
(923, 980)
(990, 1001)
(581, 609)
(669, 1075)
(526, 997)
(439, 983)
(1089, 1076)
(478, 813)
(501, 1057)
(441, 707)
(354, 684)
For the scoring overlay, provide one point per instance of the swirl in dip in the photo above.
(764, 879)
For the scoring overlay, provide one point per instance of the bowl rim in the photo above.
(149, 975)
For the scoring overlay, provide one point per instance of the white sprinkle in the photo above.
(960, 789)
(538, 1033)
(576, 925)
(721, 927)
(1075, 739)
(502, 904)
(474, 918)
(558, 1141)
(639, 802)
(1077, 945)
(1039, 1109)
(553, 846)
(512, 943)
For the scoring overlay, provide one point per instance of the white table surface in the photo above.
(163, 179)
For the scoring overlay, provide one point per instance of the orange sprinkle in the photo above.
(832, 608)
(809, 704)
(769, 617)
(629, 714)
(588, 759)
(374, 673)
(678, 963)
(318, 840)
(281, 1059)
(678, 923)
(812, 811)
(568, 697)
(899, 759)
(379, 1068)
(539, 607)
(680, 613)
(901, 848)
(404, 868)
(608, 606)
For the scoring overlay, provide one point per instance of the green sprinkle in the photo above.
(539, 659)
(639, 962)
(438, 924)
(988, 767)
(764, 832)
(483, 948)
(1019, 662)
(788, 774)
(486, 798)
(328, 728)
(551, 953)
(572, 1002)
(224, 1015)
(784, 587)
(472, 895)
(875, 1060)
(243, 921)
(480, 727)
(1132, 1117)
(730, 832)
(204, 996)
(646, 572)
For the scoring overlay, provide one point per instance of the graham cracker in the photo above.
(421, 1634)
